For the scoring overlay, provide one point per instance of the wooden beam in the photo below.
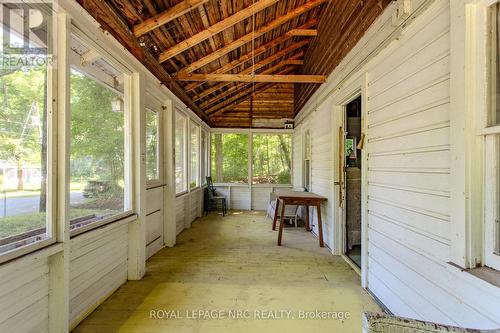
(215, 29)
(253, 53)
(244, 94)
(232, 100)
(258, 65)
(271, 78)
(111, 22)
(164, 17)
(251, 35)
(304, 32)
(243, 85)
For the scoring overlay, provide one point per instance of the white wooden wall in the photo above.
(155, 211)
(409, 180)
(98, 266)
(24, 296)
(322, 130)
(244, 197)
(407, 113)
(188, 207)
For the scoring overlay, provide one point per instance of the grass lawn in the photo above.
(14, 225)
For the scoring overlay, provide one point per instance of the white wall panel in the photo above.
(24, 302)
(98, 266)
(409, 180)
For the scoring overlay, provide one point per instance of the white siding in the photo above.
(297, 155)
(154, 220)
(407, 113)
(98, 266)
(24, 300)
(409, 179)
(188, 207)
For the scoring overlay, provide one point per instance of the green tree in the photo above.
(23, 101)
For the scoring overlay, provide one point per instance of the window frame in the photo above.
(491, 135)
(129, 189)
(250, 133)
(52, 151)
(307, 152)
(192, 124)
(185, 156)
(251, 158)
(204, 155)
(159, 119)
(473, 210)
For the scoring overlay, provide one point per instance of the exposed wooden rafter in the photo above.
(215, 29)
(258, 51)
(254, 78)
(166, 16)
(257, 66)
(230, 90)
(251, 35)
(110, 21)
(242, 95)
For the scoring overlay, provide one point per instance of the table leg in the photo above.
(320, 226)
(308, 228)
(282, 223)
(276, 207)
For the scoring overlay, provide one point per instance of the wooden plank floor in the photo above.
(233, 263)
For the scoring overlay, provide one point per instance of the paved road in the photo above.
(26, 205)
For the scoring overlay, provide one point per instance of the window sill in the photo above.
(483, 273)
(490, 275)
(177, 195)
(29, 254)
(125, 217)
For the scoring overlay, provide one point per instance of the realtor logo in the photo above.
(25, 26)
(26, 31)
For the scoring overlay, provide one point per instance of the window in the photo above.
(307, 161)
(24, 122)
(272, 160)
(152, 152)
(204, 157)
(229, 158)
(98, 188)
(180, 153)
(195, 155)
(492, 145)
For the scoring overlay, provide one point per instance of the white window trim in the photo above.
(198, 129)
(473, 197)
(185, 189)
(128, 150)
(52, 163)
(159, 180)
(250, 133)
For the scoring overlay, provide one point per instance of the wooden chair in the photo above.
(214, 199)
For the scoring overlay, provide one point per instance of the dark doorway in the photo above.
(353, 169)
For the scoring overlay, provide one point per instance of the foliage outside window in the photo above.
(203, 157)
(97, 167)
(272, 160)
(23, 130)
(195, 155)
(229, 158)
(180, 152)
(152, 153)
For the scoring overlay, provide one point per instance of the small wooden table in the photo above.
(288, 197)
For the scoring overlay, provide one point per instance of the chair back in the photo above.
(210, 184)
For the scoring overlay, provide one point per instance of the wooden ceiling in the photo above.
(238, 63)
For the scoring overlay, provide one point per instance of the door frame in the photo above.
(351, 91)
